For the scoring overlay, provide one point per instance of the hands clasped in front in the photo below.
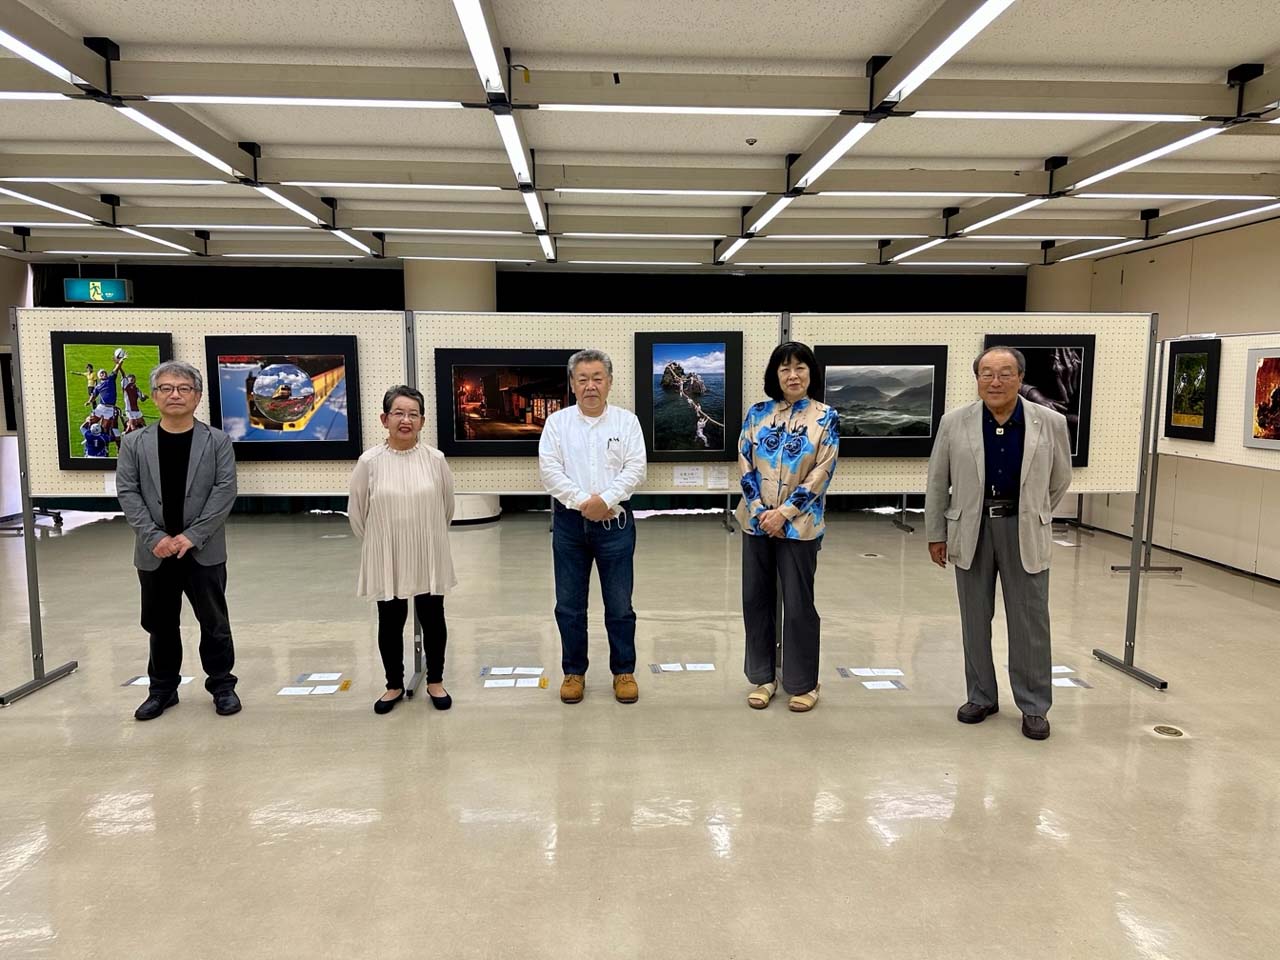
(773, 523)
(173, 547)
(594, 508)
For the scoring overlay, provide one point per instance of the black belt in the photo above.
(1000, 508)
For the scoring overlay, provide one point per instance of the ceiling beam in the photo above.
(696, 92)
(1262, 94)
(1073, 96)
(1209, 215)
(75, 206)
(64, 56)
(1147, 144)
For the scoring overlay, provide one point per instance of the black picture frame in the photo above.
(9, 413)
(301, 352)
(99, 345)
(453, 420)
(1041, 380)
(1204, 356)
(886, 385)
(661, 439)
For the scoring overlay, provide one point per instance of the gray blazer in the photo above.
(957, 479)
(211, 493)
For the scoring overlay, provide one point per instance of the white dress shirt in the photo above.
(581, 456)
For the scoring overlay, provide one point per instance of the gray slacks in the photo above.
(1026, 608)
(766, 561)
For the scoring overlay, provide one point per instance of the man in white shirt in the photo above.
(592, 458)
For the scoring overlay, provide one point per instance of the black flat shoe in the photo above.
(974, 713)
(381, 706)
(226, 702)
(441, 703)
(1035, 728)
(155, 705)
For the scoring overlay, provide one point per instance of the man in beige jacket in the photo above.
(999, 468)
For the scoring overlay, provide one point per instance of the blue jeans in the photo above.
(575, 543)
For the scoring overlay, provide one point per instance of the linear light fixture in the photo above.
(514, 146)
(1094, 253)
(838, 150)
(32, 95)
(387, 186)
(813, 263)
(107, 253)
(312, 102)
(766, 218)
(289, 204)
(480, 42)
(1057, 236)
(548, 246)
(978, 21)
(638, 263)
(966, 263)
(1227, 219)
(1150, 155)
(919, 248)
(472, 259)
(1173, 196)
(447, 230)
(33, 223)
(156, 181)
(644, 236)
(47, 204)
(34, 56)
(1012, 211)
(290, 256)
(961, 194)
(221, 226)
(845, 236)
(665, 192)
(1055, 115)
(535, 210)
(692, 111)
(177, 139)
(348, 238)
(733, 248)
(146, 236)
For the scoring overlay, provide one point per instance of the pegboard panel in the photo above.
(1228, 439)
(614, 334)
(380, 339)
(1119, 373)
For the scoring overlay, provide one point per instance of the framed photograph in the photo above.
(689, 395)
(890, 398)
(1059, 376)
(286, 397)
(101, 387)
(1262, 399)
(8, 404)
(1191, 391)
(494, 403)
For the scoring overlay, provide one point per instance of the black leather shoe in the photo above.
(155, 705)
(973, 713)
(381, 706)
(441, 703)
(226, 702)
(1035, 728)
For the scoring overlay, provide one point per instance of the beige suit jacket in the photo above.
(957, 478)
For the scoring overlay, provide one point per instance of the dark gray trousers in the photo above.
(765, 561)
(1026, 608)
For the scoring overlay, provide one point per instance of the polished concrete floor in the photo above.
(685, 826)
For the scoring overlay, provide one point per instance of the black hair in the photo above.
(403, 390)
(1017, 355)
(792, 350)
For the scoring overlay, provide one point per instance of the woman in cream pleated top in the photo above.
(401, 504)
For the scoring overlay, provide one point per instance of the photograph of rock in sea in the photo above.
(889, 398)
(690, 402)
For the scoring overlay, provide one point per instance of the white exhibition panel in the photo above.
(379, 344)
(612, 333)
(1228, 439)
(1115, 442)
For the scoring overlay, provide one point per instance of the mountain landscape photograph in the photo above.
(882, 401)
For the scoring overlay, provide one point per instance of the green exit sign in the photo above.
(81, 290)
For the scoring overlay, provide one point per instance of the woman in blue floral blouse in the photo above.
(787, 453)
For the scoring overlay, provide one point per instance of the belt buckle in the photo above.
(993, 512)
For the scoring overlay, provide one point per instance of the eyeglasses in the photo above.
(181, 389)
(402, 415)
(986, 376)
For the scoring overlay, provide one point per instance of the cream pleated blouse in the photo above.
(401, 505)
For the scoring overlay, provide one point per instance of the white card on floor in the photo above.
(323, 676)
(1064, 543)
(699, 666)
(671, 667)
(887, 672)
(500, 683)
(862, 671)
(1066, 682)
(528, 682)
(325, 688)
(880, 685)
(1059, 668)
(501, 671)
(145, 681)
(293, 691)
(529, 671)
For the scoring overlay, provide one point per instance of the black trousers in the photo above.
(206, 588)
(392, 615)
(765, 561)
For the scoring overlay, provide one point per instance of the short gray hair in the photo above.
(590, 356)
(1013, 351)
(178, 368)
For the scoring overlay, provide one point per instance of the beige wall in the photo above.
(450, 285)
(13, 292)
(1224, 283)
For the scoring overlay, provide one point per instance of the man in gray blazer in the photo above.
(176, 481)
(999, 468)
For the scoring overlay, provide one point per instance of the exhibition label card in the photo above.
(699, 666)
(528, 682)
(882, 685)
(294, 691)
(1064, 543)
(145, 681)
(502, 671)
(529, 671)
(684, 476)
(718, 478)
(1059, 668)
(671, 667)
(315, 677)
(500, 683)
(325, 688)
(886, 672)
(1070, 682)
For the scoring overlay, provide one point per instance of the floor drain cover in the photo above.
(1167, 731)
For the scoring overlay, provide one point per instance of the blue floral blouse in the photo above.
(787, 454)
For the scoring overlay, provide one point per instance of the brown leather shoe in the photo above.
(625, 689)
(571, 688)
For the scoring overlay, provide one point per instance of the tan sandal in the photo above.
(804, 702)
(759, 698)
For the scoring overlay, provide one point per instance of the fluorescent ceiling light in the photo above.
(157, 181)
(1094, 253)
(693, 111)
(288, 204)
(841, 147)
(48, 205)
(314, 102)
(814, 263)
(1055, 115)
(534, 206)
(916, 193)
(1227, 219)
(220, 226)
(734, 247)
(387, 186)
(146, 236)
(33, 95)
(32, 55)
(1149, 156)
(290, 256)
(645, 236)
(845, 236)
(919, 248)
(471, 259)
(511, 142)
(765, 218)
(177, 140)
(474, 28)
(630, 191)
(476, 233)
(965, 263)
(107, 253)
(1032, 239)
(978, 21)
(33, 223)
(348, 238)
(548, 246)
(1172, 196)
(638, 263)
(1012, 211)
